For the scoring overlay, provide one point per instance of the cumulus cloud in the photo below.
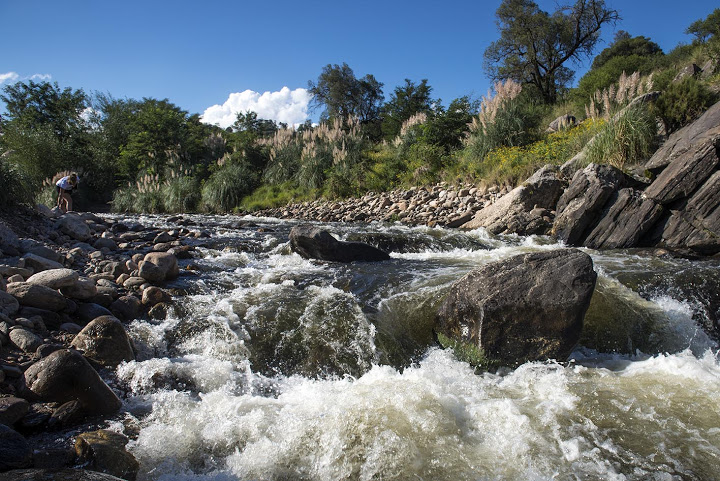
(288, 106)
(8, 77)
(12, 77)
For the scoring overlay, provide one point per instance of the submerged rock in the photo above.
(526, 308)
(314, 243)
(104, 451)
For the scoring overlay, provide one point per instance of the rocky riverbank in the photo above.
(68, 287)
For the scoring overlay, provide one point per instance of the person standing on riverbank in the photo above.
(64, 188)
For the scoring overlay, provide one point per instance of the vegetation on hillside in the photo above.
(150, 155)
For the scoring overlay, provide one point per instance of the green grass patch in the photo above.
(272, 196)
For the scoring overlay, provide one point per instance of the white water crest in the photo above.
(280, 368)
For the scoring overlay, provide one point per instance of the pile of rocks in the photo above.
(65, 296)
(438, 205)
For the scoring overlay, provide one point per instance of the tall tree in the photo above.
(342, 95)
(706, 28)
(535, 46)
(406, 101)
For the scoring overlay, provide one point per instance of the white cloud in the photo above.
(289, 106)
(10, 76)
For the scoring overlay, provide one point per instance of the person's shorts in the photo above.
(59, 190)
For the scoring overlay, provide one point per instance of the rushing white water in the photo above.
(285, 369)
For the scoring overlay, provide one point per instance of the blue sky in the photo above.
(198, 54)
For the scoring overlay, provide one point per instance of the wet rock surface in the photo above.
(526, 308)
(314, 243)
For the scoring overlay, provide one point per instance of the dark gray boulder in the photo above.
(15, 452)
(312, 242)
(522, 210)
(35, 295)
(104, 341)
(579, 207)
(65, 375)
(685, 139)
(12, 409)
(526, 308)
(697, 225)
(629, 217)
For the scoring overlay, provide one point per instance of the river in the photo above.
(280, 368)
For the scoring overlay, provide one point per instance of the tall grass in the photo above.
(17, 188)
(225, 188)
(628, 138)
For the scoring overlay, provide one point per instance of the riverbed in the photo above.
(275, 367)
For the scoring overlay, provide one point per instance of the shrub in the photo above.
(627, 138)
(271, 196)
(226, 187)
(16, 187)
(682, 102)
(181, 194)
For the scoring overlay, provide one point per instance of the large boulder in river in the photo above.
(312, 242)
(105, 341)
(66, 375)
(582, 202)
(523, 210)
(158, 267)
(104, 450)
(526, 308)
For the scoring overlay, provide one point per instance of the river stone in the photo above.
(526, 308)
(38, 263)
(55, 278)
(43, 251)
(154, 295)
(515, 212)
(66, 375)
(104, 451)
(74, 226)
(126, 307)
(62, 474)
(35, 295)
(629, 217)
(12, 409)
(8, 304)
(82, 289)
(582, 202)
(312, 242)
(105, 242)
(158, 267)
(89, 311)
(15, 452)
(104, 341)
(24, 339)
(8, 239)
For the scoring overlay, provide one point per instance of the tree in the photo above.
(447, 127)
(706, 28)
(43, 129)
(625, 46)
(344, 96)
(406, 101)
(535, 46)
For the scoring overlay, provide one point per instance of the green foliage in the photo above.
(626, 46)
(226, 187)
(534, 46)
(17, 189)
(609, 73)
(682, 102)
(344, 96)
(277, 195)
(466, 352)
(405, 101)
(181, 194)
(512, 165)
(706, 28)
(626, 139)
